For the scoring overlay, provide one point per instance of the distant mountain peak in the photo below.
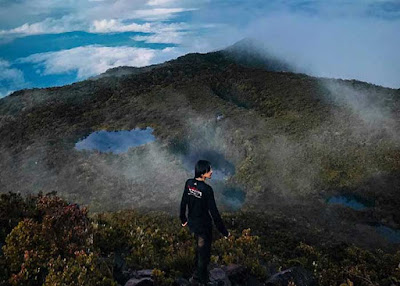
(245, 43)
(251, 52)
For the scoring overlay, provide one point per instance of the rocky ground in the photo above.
(230, 275)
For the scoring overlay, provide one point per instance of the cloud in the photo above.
(339, 48)
(158, 14)
(5, 92)
(368, 107)
(160, 2)
(115, 25)
(318, 38)
(10, 78)
(163, 32)
(128, 10)
(166, 38)
(68, 24)
(92, 60)
(49, 17)
(48, 26)
(340, 39)
(8, 73)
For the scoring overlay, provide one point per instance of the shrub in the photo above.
(160, 278)
(83, 269)
(243, 250)
(350, 264)
(13, 209)
(27, 253)
(152, 240)
(57, 244)
(60, 230)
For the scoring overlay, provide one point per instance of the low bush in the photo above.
(56, 243)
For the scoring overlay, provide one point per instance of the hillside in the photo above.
(285, 143)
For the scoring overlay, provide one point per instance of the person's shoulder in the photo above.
(189, 181)
(208, 187)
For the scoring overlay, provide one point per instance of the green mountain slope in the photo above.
(294, 141)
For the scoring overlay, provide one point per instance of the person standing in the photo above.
(199, 197)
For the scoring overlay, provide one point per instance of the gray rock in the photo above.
(219, 277)
(182, 282)
(140, 282)
(236, 273)
(129, 273)
(299, 275)
(144, 273)
(239, 276)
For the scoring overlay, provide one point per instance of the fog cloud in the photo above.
(92, 60)
(355, 40)
(10, 78)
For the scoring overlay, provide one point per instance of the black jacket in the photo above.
(200, 199)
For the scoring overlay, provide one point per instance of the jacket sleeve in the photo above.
(215, 214)
(184, 201)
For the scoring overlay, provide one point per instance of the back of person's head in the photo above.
(202, 167)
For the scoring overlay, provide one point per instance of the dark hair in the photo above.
(202, 167)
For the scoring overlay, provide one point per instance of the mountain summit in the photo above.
(247, 52)
(252, 53)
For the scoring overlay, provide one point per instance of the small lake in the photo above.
(222, 168)
(233, 198)
(116, 141)
(392, 235)
(347, 201)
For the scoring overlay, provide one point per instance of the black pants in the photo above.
(203, 254)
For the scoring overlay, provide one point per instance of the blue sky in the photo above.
(55, 42)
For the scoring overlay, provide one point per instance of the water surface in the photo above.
(392, 235)
(115, 141)
(233, 198)
(347, 201)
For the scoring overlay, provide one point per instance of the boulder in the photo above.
(230, 275)
(182, 282)
(236, 273)
(143, 273)
(218, 277)
(140, 282)
(299, 275)
(134, 276)
(239, 276)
